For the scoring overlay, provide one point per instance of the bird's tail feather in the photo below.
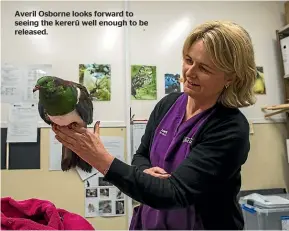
(71, 160)
(84, 165)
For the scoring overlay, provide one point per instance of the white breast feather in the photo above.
(69, 118)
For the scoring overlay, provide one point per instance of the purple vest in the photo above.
(170, 147)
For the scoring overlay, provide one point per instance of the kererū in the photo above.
(65, 102)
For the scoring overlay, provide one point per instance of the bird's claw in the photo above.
(70, 126)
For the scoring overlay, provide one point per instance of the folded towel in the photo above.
(35, 214)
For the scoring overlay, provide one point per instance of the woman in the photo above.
(186, 171)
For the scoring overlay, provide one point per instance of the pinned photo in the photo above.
(119, 207)
(105, 207)
(91, 209)
(104, 193)
(172, 83)
(260, 86)
(91, 181)
(119, 194)
(91, 192)
(97, 79)
(102, 182)
(143, 82)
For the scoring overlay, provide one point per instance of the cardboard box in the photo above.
(286, 5)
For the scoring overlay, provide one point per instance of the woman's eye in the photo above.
(188, 61)
(204, 69)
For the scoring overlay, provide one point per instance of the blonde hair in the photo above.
(231, 50)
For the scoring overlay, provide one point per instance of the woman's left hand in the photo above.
(86, 144)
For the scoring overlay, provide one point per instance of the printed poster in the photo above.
(172, 83)
(143, 82)
(11, 83)
(97, 80)
(102, 198)
(260, 87)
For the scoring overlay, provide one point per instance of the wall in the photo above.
(66, 47)
(65, 190)
(157, 44)
(170, 22)
(267, 165)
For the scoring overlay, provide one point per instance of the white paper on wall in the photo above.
(114, 145)
(22, 123)
(138, 130)
(85, 175)
(55, 153)
(11, 83)
(102, 198)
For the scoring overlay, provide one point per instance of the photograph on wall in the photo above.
(91, 199)
(102, 182)
(104, 193)
(91, 181)
(102, 198)
(119, 194)
(172, 83)
(260, 87)
(105, 207)
(97, 79)
(119, 207)
(143, 82)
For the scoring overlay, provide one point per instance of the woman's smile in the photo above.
(191, 84)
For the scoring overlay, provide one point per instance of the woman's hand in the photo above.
(157, 172)
(86, 144)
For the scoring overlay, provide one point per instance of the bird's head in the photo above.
(45, 83)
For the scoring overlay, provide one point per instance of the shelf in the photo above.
(281, 108)
(284, 30)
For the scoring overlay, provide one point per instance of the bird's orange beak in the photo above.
(36, 88)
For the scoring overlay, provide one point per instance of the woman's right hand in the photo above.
(157, 172)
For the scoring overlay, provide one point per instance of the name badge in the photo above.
(163, 132)
(188, 140)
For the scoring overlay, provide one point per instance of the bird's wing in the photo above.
(43, 114)
(85, 106)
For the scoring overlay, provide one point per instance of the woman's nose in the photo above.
(191, 71)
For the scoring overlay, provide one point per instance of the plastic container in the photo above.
(258, 217)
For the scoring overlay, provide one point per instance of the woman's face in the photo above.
(202, 80)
